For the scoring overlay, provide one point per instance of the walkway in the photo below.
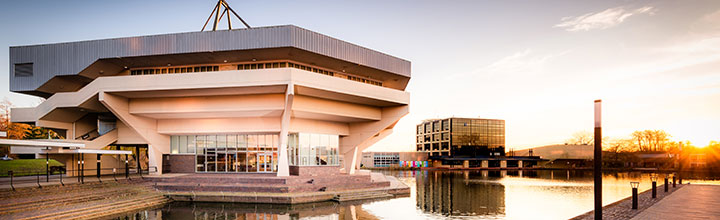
(689, 202)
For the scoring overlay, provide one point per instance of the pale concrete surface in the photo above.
(689, 202)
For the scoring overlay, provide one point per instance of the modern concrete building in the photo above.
(278, 99)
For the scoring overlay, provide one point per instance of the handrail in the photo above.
(16, 177)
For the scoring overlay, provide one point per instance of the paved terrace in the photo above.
(684, 202)
(688, 202)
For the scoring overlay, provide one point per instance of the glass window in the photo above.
(252, 142)
(191, 144)
(174, 144)
(242, 142)
(183, 144)
(306, 149)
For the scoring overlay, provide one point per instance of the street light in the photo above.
(653, 178)
(634, 186)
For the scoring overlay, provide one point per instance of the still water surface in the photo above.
(544, 194)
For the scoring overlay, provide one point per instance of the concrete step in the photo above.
(102, 208)
(337, 187)
(106, 211)
(361, 196)
(60, 201)
(220, 180)
(273, 188)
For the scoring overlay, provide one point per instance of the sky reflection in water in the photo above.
(545, 194)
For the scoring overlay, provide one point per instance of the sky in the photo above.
(539, 65)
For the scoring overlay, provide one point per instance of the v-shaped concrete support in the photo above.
(158, 144)
(365, 134)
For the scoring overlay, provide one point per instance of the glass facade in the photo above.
(306, 149)
(229, 152)
(461, 137)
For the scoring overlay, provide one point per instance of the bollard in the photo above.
(634, 198)
(654, 189)
(634, 186)
(653, 178)
(114, 172)
(38, 180)
(11, 180)
(680, 180)
(673, 181)
(666, 184)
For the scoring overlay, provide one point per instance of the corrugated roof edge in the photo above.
(243, 29)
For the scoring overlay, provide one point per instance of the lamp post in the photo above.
(666, 183)
(78, 170)
(634, 186)
(597, 161)
(653, 178)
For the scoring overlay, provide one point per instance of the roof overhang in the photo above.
(39, 143)
(91, 151)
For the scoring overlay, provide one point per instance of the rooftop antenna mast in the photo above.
(219, 16)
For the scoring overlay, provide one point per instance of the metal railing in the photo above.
(18, 177)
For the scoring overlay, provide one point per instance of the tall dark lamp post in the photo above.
(634, 186)
(653, 178)
(597, 161)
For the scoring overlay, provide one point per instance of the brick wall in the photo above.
(173, 163)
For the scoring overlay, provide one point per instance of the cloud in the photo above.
(601, 20)
(525, 61)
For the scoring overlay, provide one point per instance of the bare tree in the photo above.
(581, 138)
(650, 140)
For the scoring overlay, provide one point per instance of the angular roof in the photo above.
(69, 59)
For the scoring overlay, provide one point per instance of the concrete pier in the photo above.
(684, 202)
(688, 202)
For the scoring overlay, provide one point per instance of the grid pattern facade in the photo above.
(386, 159)
(461, 137)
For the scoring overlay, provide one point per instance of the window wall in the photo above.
(229, 153)
(306, 149)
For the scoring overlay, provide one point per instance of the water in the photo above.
(545, 194)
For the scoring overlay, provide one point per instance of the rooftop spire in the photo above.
(219, 16)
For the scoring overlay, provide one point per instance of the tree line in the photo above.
(638, 141)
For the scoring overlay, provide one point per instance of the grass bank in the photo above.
(26, 167)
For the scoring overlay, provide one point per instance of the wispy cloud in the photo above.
(525, 61)
(601, 20)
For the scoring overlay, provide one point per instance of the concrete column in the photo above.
(503, 164)
(349, 161)
(283, 164)
(154, 160)
(485, 164)
(466, 164)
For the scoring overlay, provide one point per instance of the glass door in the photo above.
(252, 162)
(265, 162)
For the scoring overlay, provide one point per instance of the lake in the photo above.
(541, 194)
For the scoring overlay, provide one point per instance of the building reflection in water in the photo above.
(241, 211)
(463, 193)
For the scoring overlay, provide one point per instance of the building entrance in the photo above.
(230, 153)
